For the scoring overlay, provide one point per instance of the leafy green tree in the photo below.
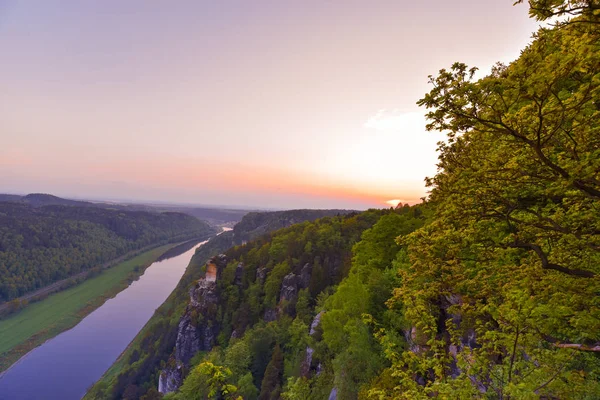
(246, 388)
(303, 306)
(208, 381)
(238, 357)
(297, 389)
(542, 10)
(271, 384)
(501, 292)
(273, 283)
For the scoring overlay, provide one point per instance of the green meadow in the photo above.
(40, 321)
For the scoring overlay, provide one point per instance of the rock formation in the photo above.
(171, 378)
(261, 275)
(289, 288)
(306, 366)
(197, 329)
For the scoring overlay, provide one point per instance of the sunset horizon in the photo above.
(223, 106)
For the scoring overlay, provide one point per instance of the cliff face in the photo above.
(197, 329)
(307, 366)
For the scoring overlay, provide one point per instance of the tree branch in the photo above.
(548, 265)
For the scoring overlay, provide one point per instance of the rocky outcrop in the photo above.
(315, 323)
(271, 314)
(292, 283)
(239, 274)
(417, 341)
(197, 329)
(289, 288)
(333, 394)
(306, 366)
(261, 275)
(171, 378)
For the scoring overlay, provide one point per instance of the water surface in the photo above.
(67, 365)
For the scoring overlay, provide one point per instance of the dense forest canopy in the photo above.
(269, 345)
(501, 295)
(41, 245)
(137, 371)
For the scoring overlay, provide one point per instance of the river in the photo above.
(65, 366)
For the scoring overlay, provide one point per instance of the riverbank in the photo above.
(16, 305)
(40, 321)
(164, 319)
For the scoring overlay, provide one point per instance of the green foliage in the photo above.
(273, 283)
(207, 382)
(542, 10)
(238, 357)
(271, 384)
(39, 246)
(500, 296)
(297, 389)
(358, 304)
(303, 306)
(246, 388)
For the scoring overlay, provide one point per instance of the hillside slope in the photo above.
(140, 365)
(44, 244)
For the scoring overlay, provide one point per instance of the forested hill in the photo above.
(137, 370)
(255, 224)
(43, 244)
(212, 215)
(43, 199)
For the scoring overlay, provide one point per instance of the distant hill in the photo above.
(255, 224)
(212, 215)
(42, 242)
(215, 216)
(10, 197)
(43, 199)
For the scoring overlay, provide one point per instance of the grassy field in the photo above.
(60, 311)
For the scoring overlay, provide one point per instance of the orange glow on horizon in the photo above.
(242, 179)
(393, 202)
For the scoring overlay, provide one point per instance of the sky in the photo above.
(268, 104)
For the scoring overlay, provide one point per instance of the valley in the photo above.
(28, 328)
(67, 364)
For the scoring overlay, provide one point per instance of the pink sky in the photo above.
(261, 103)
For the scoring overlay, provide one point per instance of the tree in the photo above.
(208, 381)
(246, 388)
(297, 389)
(271, 384)
(501, 292)
(543, 10)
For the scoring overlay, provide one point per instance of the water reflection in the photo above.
(65, 366)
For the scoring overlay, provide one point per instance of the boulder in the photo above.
(289, 288)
